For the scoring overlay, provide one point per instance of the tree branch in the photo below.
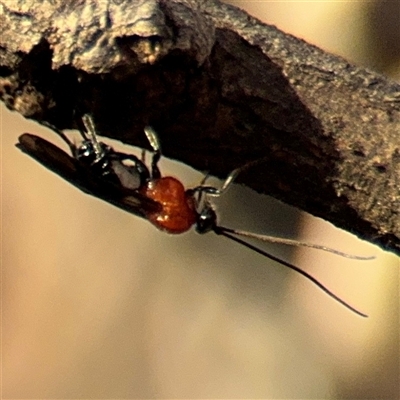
(221, 89)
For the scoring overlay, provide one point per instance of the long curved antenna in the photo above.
(227, 233)
(290, 242)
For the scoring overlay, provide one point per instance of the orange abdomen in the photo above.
(178, 212)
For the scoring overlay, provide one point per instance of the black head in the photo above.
(206, 220)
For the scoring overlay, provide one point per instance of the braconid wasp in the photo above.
(127, 182)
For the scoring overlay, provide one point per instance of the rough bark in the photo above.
(221, 88)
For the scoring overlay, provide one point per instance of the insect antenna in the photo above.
(229, 233)
(291, 242)
(207, 221)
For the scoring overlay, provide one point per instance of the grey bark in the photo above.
(221, 89)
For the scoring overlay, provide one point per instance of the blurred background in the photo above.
(96, 303)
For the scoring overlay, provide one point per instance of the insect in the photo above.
(125, 181)
(94, 168)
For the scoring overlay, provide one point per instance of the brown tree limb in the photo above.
(221, 89)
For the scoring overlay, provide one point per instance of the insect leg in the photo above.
(155, 145)
(216, 192)
(90, 129)
(62, 135)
